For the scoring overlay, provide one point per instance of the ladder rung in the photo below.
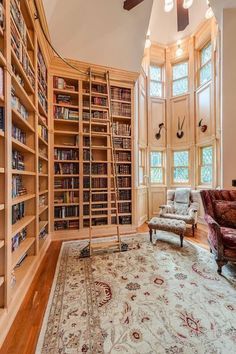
(102, 245)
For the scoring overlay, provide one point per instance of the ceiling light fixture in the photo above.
(169, 4)
(187, 4)
(179, 50)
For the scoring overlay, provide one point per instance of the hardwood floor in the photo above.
(23, 335)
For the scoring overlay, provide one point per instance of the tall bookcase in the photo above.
(24, 213)
(71, 116)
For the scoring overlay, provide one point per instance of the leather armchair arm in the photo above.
(215, 231)
(165, 209)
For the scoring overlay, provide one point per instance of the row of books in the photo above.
(18, 20)
(121, 129)
(122, 156)
(2, 16)
(42, 70)
(61, 84)
(94, 115)
(98, 88)
(123, 169)
(43, 99)
(124, 207)
(65, 113)
(66, 211)
(17, 239)
(66, 224)
(66, 183)
(17, 161)
(18, 134)
(96, 182)
(18, 76)
(18, 106)
(66, 168)
(18, 188)
(67, 197)
(63, 99)
(1, 81)
(122, 143)
(97, 168)
(43, 233)
(43, 132)
(2, 118)
(95, 129)
(120, 93)
(70, 154)
(22, 55)
(121, 109)
(124, 182)
(42, 201)
(97, 101)
(18, 212)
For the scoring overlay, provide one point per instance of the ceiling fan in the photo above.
(182, 11)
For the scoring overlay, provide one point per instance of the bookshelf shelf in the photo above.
(1, 281)
(23, 96)
(21, 224)
(22, 273)
(23, 198)
(20, 121)
(43, 192)
(2, 243)
(2, 207)
(41, 140)
(21, 250)
(21, 147)
(42, 209)
(26, 173)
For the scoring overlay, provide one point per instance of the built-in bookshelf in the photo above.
(71, 115)
(43, 150)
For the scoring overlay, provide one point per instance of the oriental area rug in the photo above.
(156, 298)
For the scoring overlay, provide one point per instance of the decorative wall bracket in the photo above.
(203, 127)
(180, 132)
(158, 134)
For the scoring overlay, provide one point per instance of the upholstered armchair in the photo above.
(220, 215)
(182, 204)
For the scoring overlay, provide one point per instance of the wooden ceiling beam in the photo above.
(130, 4)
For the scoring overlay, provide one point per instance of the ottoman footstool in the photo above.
(170, 225)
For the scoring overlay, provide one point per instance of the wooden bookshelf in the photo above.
(71, 153)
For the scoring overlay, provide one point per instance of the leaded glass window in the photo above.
(156, 166)
(181, 167)
(180, 78)
(155, 81)
(205, 64)
(206, 168)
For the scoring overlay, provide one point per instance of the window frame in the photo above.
(156, 81)
(173, 168)
(180, 78)
(141, 164)
(162, 167)
(209, 43)
(200, 165)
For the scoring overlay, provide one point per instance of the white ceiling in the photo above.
(163, 25)
(99, 31)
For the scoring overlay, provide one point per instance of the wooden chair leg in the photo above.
(220, 264)
(150, 233)
(193, 229)
(181, 240)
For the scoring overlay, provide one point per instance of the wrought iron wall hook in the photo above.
(203, 127)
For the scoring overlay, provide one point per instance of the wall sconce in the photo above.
(209, 12)
(180, 132)
(187, 4)
(179, 50)
(169, 4)
(148, 42)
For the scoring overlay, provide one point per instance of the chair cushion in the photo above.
(187, 218)
(229, 237)
(225, 212)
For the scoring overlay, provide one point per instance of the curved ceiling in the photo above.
(99, 31)
(163, 25)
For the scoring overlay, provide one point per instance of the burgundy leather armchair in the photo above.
(220, 215)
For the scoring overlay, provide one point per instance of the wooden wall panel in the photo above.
(142, 117)
(142, 206)
(157, 197)
(179, 110)
(157, 115)
(203, 111)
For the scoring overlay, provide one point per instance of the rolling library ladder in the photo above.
(116, 244)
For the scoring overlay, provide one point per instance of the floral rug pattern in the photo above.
(152, 299)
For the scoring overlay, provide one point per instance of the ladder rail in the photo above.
(114, 164)
(90, 161)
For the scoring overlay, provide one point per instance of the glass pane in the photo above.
(140, 175)
(205, 73)
(156, 159)
(180, 70)
(155, 89)
(180, 86)
(205, 54)
(207, 155)
(206, 174)
(156, 175)
(181, 175)
(180, 158)
(155, 73)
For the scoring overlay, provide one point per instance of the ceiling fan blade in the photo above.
(182, 16)
(130, 4)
